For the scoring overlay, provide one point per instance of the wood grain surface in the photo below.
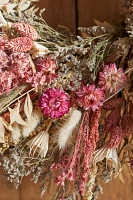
(60, 13)
(72, 14)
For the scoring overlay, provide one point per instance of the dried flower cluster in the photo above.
(65, 104)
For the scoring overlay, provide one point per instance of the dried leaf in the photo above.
(28, 107)
(127, 147)
(3, 125)
(121, 178)
(106, 24)
(9, 7)
(24, 6)
(127, 168)
(15, 131)
(15, 116)
(39, 144)
(2, 131)
(3, 2)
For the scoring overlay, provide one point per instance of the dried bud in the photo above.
(112, 103)
(19, 44)
(112, 120)
(26, 30)
(115, 137)
(127, 124)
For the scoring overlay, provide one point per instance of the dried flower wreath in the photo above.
(66, 104)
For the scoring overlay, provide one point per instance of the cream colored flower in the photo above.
(110, 155)
(39, 144)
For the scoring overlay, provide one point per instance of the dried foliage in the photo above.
(66, 104)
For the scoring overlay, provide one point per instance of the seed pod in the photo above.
(112, 103)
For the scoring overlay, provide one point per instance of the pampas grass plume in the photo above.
(66, 130)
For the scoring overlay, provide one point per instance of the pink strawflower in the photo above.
(3, 59)
(111, 78)
(45, 71)
(90, 97)
(26, 30)
(54, 103)
(19, 44)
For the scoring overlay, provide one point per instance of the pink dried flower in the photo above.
(26, 30)
(20, 65)
(90, 137)
(90, 97)
(54, 103)
(6, 81)
(37, 79)
(3, 59)
(111, 78)
(3, 41)
(45, 68)
(46, 65)
(19, 44)
(60, 180)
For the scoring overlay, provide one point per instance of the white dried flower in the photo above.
(39, 144)
(66, 130)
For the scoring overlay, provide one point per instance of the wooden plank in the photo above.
(7, 189)
(115, 189)
(59, 12)
(103, 10)
(31, 191)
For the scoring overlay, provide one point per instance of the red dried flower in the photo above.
(115, 137)
(111, 78)
(90, 97)
(3, 59)
(19, 44)
(26, 30)
(112, 120)
(54, 103)
(90, 137)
